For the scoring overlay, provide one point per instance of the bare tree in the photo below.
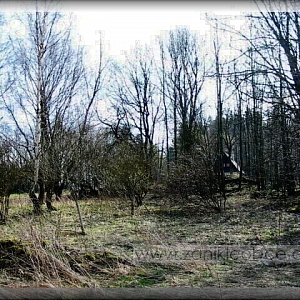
(239, 96)
(276, 42)
(136, 100)
(229, 136)
(220, 101)
(47, 70)
(185, 78)
(163, 91)
(93, 83)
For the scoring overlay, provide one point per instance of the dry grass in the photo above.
(105, 256)
(48, 262)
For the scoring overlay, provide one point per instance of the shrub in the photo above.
(127, 174)
(195, 176)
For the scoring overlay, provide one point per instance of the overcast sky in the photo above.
(125, 23)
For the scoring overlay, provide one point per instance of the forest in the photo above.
(187, 141)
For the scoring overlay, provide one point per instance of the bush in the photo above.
(195, 176)
(127, 174)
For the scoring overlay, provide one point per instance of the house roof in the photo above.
(236, 165)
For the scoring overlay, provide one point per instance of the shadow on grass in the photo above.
(150, 274)
(291, 237)
(194, 209)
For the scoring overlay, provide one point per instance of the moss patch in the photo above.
(12, 253)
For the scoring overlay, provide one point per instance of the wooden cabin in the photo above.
(230, 166)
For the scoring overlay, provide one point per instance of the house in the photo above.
(230, 166)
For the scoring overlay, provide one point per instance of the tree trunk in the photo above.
(221, 175)
(132, 206)
(49, 194)
(4, 207)
(37, 206)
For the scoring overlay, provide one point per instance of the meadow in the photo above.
(159, 246)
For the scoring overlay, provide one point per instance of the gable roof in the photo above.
(233, 162)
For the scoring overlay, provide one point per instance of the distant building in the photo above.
(230, 166)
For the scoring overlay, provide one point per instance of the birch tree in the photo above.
(46, 70)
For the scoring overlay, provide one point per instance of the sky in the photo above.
(124, 24)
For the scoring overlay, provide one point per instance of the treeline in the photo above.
(55, 136)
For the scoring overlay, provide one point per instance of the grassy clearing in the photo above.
(106, 255)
